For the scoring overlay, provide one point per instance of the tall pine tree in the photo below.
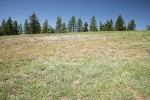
(102, 27)
(26, 27)
(34, 24)
(120, 25)
(79, 25)
(20, 29)
(45, 27)
(3, 28)
(93, 26)
(111, 25)
(15, 28)
(72, 24)
(108, 25)
(9, 26)
(63, 27)
(85, 27)
(131, 25)
(58, 24)
(73, 20)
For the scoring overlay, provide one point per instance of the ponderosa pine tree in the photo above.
(120, 25)
(69, 26)
(45, 27)
(9, 26)
(93, 25)
(58, 24)
(79, 25)
(72, 24)
(63, 28)
(102, 27)
(131, 25)
(15, 28)
(85, 27)
(111, 25)
(107, 25)
(26, 27)
(73, 20)
(3, 27)
(20, 29)
(34, 24)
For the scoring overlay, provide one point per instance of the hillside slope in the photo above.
(83, 66)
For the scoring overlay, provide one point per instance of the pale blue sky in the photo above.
(103, 9)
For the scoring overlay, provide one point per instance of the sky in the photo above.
(19, 10)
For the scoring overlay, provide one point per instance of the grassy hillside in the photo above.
(76, 66)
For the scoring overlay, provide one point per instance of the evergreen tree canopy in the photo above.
(111, 25)
(64, 27)
(20, 29)
(102, 27)
(15, 28)
(9, 26)
(45, 27)
(120, 25)
(85, 27)
(26, 27)
(93, 26)
(79, 25)
(108, 26)
(58, 24)
(34, 24)
(3, 28)
(131, 25)
(69, 26)
(72, 24)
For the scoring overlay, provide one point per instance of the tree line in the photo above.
(10, 27)
(33, 26)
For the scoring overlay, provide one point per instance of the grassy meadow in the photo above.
(76, 66)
